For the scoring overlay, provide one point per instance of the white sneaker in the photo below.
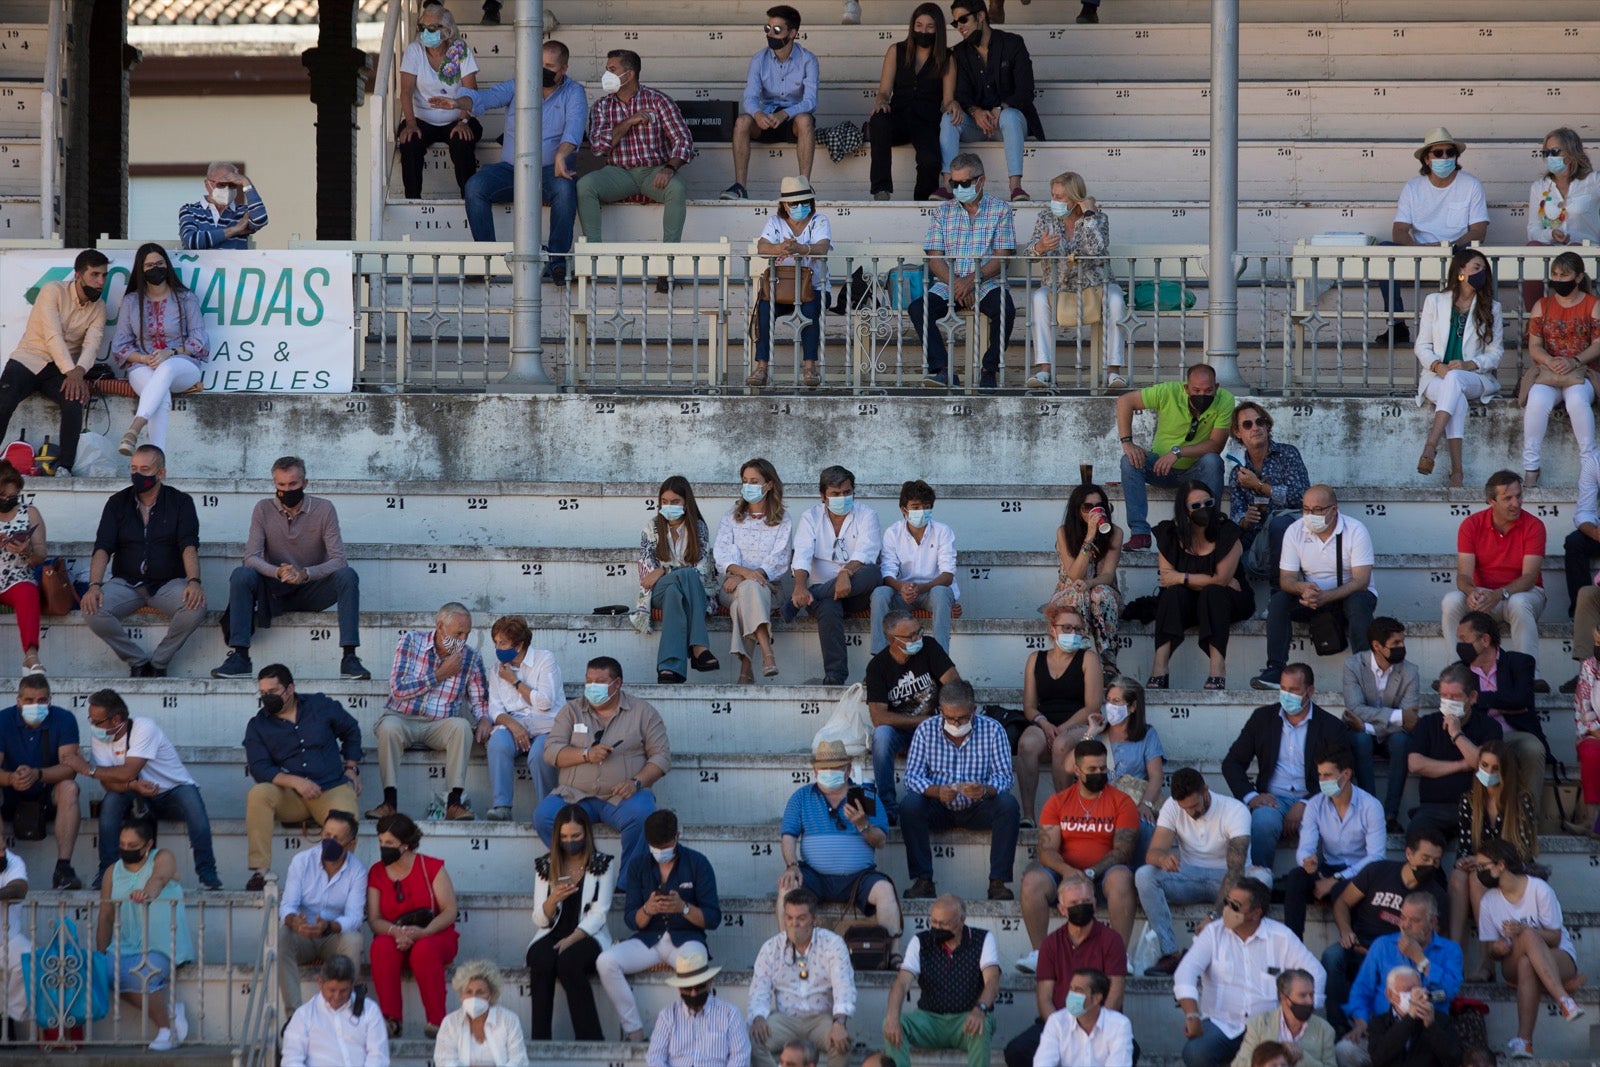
(163, 1041)
(1571, 1010)
(1039, 379)
(1029, 963)
(1115, 380)
(1519, 1049)
(852, 13)
(180, 1024)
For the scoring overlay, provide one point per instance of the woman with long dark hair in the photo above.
(1202, 584)
(1459, 345)
(572, 889)
(678, 575)
(752, 553)
(1088, 548)
(160, 342)
(917, 85)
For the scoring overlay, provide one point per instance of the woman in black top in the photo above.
(912, 96)
(1202, 584)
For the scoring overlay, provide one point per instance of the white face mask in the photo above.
(1315, 523)
(958, 731)
(221, 196)
(1457, 708)
(610, 82)
(1114, 713)
(476, 1007)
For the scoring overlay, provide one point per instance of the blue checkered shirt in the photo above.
(936, 760)
(967, 241)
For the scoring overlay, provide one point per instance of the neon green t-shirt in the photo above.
(1170, 402)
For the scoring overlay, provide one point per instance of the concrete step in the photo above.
(19, 217)
(745, 856)
(19, 108)
(19, 165)
(23, 48)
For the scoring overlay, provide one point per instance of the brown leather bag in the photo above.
(787, 285)
(56, 594)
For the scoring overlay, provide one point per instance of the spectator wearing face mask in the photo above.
(160, 344)
(957, 969)
(1202, 584)
(1417, 944)
(796, 238)
(918, 566)
(229, 213)
(1085, 1032)
(700, 1029)
(1445, 750)
(1075, 235)
(835, 564)
(436, 64)
(39, 755)
(903, 683)
(1292, 1022)
(780, 99)
(574, 886)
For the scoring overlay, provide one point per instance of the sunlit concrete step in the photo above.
(19, 165)
(19, 217)
(23, 49)
(19, 107)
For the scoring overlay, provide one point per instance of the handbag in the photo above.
(1537, 375)
(787, 285)
(1328, 625)
(869, 943)
(56, 595)
(1078, 307)
(1010, 719)
(67, 984)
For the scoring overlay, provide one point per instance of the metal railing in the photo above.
(684, 318)
(52, 960)
(380, 104)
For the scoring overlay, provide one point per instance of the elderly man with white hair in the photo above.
(231, 211)
(1414, 1032)
(333, 1027)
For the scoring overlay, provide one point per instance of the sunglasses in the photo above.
(1250, 424)
(775, 31)
(1550, 153)
(963, 183)
(1443, 153)
(914, 637)
(963, 20)
(399, 890)
(1234, 905)
(1090, 505)
(1196, 505)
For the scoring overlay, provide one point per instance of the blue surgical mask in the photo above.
(1059, 209)
(913, 647)
(1290, 702)
(1072, 642)
(506, 655)
(799, 212)
(1115, 714)
(1330, 787)
(431, 38)
(596, 693)
(34, 714)
(1555, 164)
(672, 512)
(663, 855)
(966, 194)
(100, 735)
(1489, 780)
(1442, 168)
(917, 518)
(833, 779)
(841, 505)
(1075, 1004)
(751, 493)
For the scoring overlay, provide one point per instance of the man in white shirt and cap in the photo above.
(334, 1028)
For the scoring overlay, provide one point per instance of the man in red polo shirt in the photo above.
(1498, 554)
(1083, 942)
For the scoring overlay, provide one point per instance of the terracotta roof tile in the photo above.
(239, 12)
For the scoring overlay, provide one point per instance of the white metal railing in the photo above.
(263, 1014)
(385, 90)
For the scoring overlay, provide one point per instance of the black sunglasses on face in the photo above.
(1549, 153)
(963, 20)
(962, 183)
(1250, 424)
(1196, 505)
(1443, 153)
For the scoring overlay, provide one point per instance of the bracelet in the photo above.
(94, 585)
(1126, 440)
(195, 580)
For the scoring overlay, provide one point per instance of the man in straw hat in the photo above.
(701, 1029)
(1442, 205)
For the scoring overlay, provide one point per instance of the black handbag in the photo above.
(1329, 627)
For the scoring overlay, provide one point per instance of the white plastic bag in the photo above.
(850, 723)
(97, 457)
(1146, 949)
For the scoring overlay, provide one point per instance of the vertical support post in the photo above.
(1222, 310)
(338, 78)
(527, 373)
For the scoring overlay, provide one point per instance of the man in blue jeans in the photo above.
(1382, 699)
(565, 110)
(1193, 418)
(134, 762)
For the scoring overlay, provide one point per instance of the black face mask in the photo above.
(389, 854)
(1302, 1012)
(1080, 914)
(1479, 281)
(1199, 404)
(332, 851)
(271, 703)
(290, 498)
(131, 856)
(1423, 874)
(1095, 783)
(942, 935)
(1202, 517)
(776, 43)
(8, 503)
(1396, 655)
(922, 40)
(1465, 652)
(143, 483)
(696, 1001)
(92, 292)
(1487, 880)
(1563, 288)
(156, 276)
(549, 79)
(573, 848)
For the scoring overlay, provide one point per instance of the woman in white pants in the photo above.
(1076, 236)
(1459, 345)
(160, 342)
(1563, 342)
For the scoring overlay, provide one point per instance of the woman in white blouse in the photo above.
(437, 64)
(752, 555)
(572, 888)
(480, 1033)
(796, 236)
(524, 696)
(1459, 344)
(1563, 204)
(678, 574)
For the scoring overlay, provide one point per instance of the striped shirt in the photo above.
(201, 225)
(968, 241)
(662, 137)
(415, 690)
(711, 1037)
(831, 842)
(935, 759)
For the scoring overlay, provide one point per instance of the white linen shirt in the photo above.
(754, 544)
(829, 986)
(1203, 842)
(1307, 553)
(318, 1036)
(860, 539)
(1065, 1044)
(1582, 206)
(1241, 975)
(1438, 215)
(307, 889)
(540, 674)
(503, 1045)
(909, 561)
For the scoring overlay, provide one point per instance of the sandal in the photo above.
(747, 676)
(665, 677)
(1215, 683)
(769, 667)
(1157, 681)
(705, 661)
(130, 441)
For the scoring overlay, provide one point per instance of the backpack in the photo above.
(20, 455)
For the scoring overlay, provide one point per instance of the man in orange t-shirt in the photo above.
(1090, 828)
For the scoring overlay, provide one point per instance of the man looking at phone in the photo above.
(671, 901)
(843, 825)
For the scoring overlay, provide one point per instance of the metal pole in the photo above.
(1222, 312)
(527, 374)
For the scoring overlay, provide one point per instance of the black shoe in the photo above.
(1089, 16)
(555, 276)
(141, 670)
(921, 889)
(491, 13)
(156, 672)
(350, 667)
(1392, 825)
(998, 890)
(257, 882)
(1542, 686)
(237, 665)
(1166, 966)
(661, 284)
(988, 380)
(65, 878)
(1399, 331)
(1570, 686)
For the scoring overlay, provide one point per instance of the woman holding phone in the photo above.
(1088, 548)
(572, 888)
(22, 548)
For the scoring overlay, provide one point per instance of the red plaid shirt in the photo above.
(650, 144)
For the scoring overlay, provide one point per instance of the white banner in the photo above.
(278, 321)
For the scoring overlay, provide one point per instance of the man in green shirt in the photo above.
(1192, 418)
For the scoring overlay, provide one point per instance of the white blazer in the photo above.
(599, 882)
(1433, 337)
(502, 1039)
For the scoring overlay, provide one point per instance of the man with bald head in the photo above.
(1325, 568)
(230, 212)
(957, 968)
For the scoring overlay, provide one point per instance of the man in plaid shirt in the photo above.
(434, 672)
(958, 774)
(965, 244)
(641, 134)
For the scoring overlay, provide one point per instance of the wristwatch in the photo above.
(987, 1009)
(1177, 450)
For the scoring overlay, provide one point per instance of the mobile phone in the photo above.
(858, 796)
(565, 878)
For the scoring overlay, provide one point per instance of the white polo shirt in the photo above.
(906, 559)
(1307, 553)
